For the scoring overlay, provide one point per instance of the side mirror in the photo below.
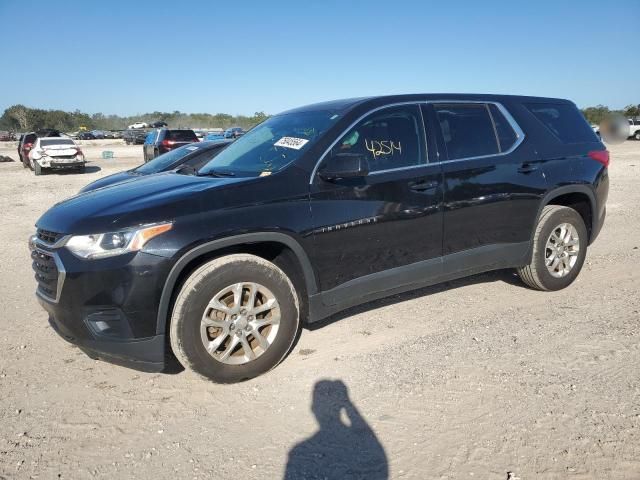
(344, 165)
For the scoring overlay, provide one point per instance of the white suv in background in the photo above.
(55, 153)
(634, 128)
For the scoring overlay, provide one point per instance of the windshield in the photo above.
(165, 160)
(181, 135)
(272, 145)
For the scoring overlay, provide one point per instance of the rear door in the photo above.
(493, 183)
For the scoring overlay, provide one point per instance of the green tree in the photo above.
(595, 115)
(632, 111)
(20, 116)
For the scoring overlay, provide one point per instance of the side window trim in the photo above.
(423, 139)
(507, 115)
(495, 129)
(520, 136)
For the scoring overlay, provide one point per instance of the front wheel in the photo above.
(37, 169)
(235, 318)
(559, 249)
(637, 135)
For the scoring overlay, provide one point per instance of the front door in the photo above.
(388, 219)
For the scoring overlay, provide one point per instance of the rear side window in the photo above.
(467, 130)
(564, 121)
(45, 142)
(506, 135)
(181, 135)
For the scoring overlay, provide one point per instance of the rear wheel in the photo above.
(235, 318)
(637, 135)
(559, 249)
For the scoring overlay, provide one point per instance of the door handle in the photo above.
(528, 168)
(423, 186)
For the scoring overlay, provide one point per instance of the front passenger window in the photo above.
(390, 138)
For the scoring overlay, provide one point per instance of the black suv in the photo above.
(164, 140)
(313, 211)
(134, 136)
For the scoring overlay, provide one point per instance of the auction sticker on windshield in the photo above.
(291, 142)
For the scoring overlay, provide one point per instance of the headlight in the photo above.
(102, 245)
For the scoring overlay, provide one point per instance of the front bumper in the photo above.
(107, 307)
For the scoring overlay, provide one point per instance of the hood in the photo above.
(109, 180)
(148, 199)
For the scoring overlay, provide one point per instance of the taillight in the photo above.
(601, 156)
(27, 146)
(168, 143)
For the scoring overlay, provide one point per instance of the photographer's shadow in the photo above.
(345, 447)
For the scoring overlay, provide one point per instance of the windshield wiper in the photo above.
(187, 170)
(216, 173)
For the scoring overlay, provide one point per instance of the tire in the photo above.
(537, 275)
(37, 169)
(188, 336)
(637, 135)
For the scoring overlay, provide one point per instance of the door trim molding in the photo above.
(417, 275)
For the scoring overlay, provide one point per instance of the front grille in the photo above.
(48, 236)
(63, 157)
(46, 273)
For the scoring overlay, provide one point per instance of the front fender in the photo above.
(235, 240)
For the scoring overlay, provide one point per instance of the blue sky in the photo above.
(241, 57)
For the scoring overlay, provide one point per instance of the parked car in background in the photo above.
(28, 140)
(314, 211)
(6, 136)
(165, 140)
(98, 134)
(634, 128)
(159, 124)
(134, 137)
(25, 144)
(137, 125)
(233, 132)
(55, 153)
(193, 155)
(214, 136)
(86, 136)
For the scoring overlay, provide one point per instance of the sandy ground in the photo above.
(471, 379)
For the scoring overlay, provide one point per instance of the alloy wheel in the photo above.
(562, 250)
(240, 323)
